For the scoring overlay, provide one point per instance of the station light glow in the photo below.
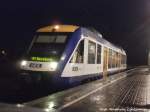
(23, 63)
(3, 52)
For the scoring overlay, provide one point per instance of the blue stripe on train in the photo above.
(70, 48)
(71, 45)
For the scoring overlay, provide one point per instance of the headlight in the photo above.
(53, 66)
(23, 63)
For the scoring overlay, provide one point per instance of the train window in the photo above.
(91, 52)
(51, 39)
(98, 54)
(110, 59)
(78, 54)
(123, 59)
(61, 39)
(113, 59)
(44, 39)
(117, 59)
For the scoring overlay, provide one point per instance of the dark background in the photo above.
(122, 22)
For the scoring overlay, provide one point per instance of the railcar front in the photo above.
(48, 54)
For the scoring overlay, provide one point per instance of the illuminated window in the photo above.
(91, 52)
(78, 54)
(113, 59)
(98, 54)
(110, 59)
(123, 59)
(117, 59)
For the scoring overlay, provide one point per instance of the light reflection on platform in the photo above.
(127, 91)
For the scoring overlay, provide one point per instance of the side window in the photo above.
(110, 59)
(117, 59)
(113, 59)
(78, 54)
(98, 54)
(91, 52)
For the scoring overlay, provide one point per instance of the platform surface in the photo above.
(127, 91)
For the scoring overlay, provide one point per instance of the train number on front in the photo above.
(74, 68)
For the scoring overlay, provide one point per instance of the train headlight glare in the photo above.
(23, 63)
(53, 66)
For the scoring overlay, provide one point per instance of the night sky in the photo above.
(123, 22)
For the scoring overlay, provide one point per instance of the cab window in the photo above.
(78, 54)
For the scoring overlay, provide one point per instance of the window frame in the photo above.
(100, 54)
(93, 61)
(76, 62)
(110, 58)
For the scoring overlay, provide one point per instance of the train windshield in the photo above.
(49, 44)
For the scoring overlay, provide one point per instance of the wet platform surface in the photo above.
(127, 91)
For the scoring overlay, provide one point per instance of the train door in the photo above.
(105, 62)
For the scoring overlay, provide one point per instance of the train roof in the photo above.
(97, 36)
(91, 32)
(58, 28)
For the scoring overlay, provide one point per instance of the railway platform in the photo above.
(127, 91)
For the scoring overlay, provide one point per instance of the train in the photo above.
(66, 55)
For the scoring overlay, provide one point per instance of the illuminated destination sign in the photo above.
(45, 59)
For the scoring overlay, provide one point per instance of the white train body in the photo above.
(84, 54)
